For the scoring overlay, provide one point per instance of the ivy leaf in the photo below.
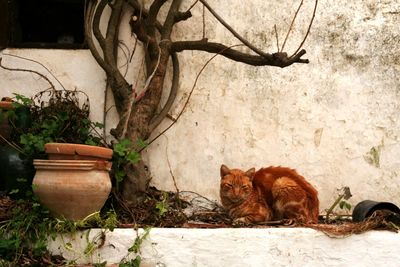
(133, 157)
(14, 191)
(119, 175)
(99, 125)
(122, 147)
(344, 205)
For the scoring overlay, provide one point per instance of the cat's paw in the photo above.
(242, 221)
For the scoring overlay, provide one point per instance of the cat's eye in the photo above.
(228, 185)
(245, 187)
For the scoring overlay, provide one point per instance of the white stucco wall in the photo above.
(231, 247)
(321, 118)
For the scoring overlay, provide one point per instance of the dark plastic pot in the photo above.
(5, 127)
(365, 208)
(16, 173)
(21, 121)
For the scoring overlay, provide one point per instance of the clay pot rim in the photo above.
(78, 149)
(43, 164)
(6, 105)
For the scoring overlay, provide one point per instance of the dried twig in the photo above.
(11, 144)
(25, 70)
(229, 28)
(190, 8)
(187, 100)
(308, 30)
(204, 23)
(291, 25)
(173, 177)
(277, 38)
(37, 62)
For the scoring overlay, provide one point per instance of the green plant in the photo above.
(124, 153)
(344, 205)
(24, 236)
(135, 248)
(343, 195)
(57, 116)
(26, 232)
(18, 116)
(162, 206)
(21, 101)
(132, 263)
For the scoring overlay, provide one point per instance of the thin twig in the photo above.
(134, 49)
(277, 38)
(215, 204)
(173, 176)
(229, 28)
(308, 30)
(204, 22)
(190, 94)
(32, 71)
(329, 211)
(37, 62)
(190, 8)
(11, 144)
(127, 55)
(291, 25)
(105, 110)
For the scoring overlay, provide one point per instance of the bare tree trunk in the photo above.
(138, 118)
(137, 180)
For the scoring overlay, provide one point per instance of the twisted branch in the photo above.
(279, 59)
(172, 94)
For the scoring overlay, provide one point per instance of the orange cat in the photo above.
(249, 196)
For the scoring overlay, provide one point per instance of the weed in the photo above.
(124, 153)
(27, 232)
(135, 248)
(162, 206)
(344, 195)
(132, 263)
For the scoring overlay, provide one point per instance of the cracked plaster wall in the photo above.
(335, 120)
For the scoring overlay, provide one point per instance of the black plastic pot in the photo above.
(365, 208)
(5, 127)
(16, 173)
(12, 127)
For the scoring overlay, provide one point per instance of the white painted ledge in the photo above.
(233, 247)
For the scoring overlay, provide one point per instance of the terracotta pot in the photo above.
(67, 151)
(72, 189)
(7, 104)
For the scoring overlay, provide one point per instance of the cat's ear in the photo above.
(250, 173)
(224, 170)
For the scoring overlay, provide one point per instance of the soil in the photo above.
(191, 210)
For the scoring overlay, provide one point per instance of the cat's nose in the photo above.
(236, 192)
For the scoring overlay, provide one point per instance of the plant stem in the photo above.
(328, 213)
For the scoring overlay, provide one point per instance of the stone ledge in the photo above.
(233, 247)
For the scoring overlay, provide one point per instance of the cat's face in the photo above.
(236, 185)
